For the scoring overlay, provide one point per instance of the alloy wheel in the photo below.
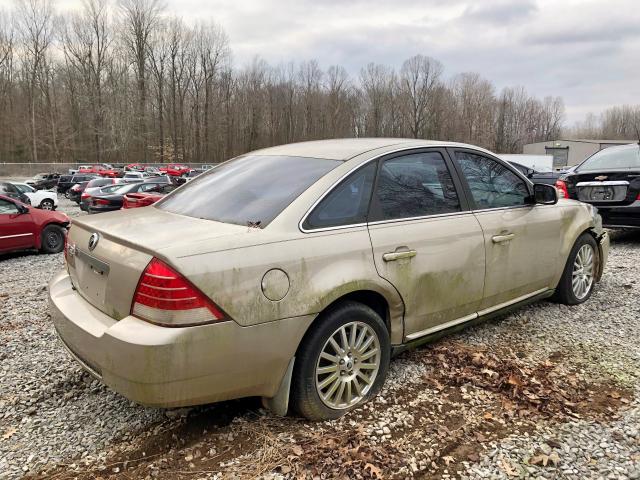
(582, 275)
(348, 365)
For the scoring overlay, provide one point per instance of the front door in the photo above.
(425, 241)
(16, 229)
(521, 239)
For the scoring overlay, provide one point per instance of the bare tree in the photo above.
(419, 81)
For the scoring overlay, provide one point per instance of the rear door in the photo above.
(425, 240)
(521, 239)
(17, 231)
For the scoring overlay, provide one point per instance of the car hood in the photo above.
(45, 216)
(171, 235)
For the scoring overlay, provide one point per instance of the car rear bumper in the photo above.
(627, 216)
(169, 367)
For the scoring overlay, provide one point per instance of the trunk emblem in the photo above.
(93, 240)
(601, 178)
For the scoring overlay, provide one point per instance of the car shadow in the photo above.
(625, 236)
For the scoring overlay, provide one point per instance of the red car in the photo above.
(101, 170)
(25, 228)
(175, 169)
(134, 167)
(135, 200)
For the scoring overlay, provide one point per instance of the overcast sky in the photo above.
(588, 52)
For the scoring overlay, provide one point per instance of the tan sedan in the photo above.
(294, 273)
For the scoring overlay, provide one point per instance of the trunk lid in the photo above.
(605, 188)
(107, 274)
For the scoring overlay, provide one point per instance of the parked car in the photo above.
(295, 272)
(44, 181)
(7, 189)
(536, 176)
(112, 198)
(175, 169)
(609, 180)
(153, 171)
(75, 193)
(94, 187)
(67, 181)
(188, 176)
(43, 199)
(104, 170)
(25, 228)
(135, 177)
(206, 167)
(151, 196)
(134, 167)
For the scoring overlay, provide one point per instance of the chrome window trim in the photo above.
(335, 184)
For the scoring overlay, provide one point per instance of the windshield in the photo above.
(614, 158)
(248, 190)
(24, 188)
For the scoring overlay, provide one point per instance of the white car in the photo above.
(43, 199)
(132, 177)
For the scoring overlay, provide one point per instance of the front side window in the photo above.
(250, 190)
(7, 208)
(492, 184)
(347, 204)
(414, 185)
(24, 188)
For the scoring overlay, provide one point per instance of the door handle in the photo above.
(393, 256)
(507, 237)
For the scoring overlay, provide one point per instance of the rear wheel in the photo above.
(52, 240)
(579, 276)
(342, 362)
(46, 204)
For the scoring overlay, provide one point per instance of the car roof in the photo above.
(347, 148)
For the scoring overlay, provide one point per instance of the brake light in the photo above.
(561, 186)
(84, 195)
(100, 201)
(165, 297)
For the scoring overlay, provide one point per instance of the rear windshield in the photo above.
(99, 182)
(612, 159)
(250, 190)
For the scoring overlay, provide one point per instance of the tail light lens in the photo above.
(84, 195)
(562, 189)
(100, 201)
(165, 297)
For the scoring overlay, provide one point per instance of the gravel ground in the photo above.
(576, 416)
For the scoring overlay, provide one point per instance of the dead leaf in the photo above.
(554, 458)
(297, 450)
(488, 416)
(539, 459)
(508, 468)
(285, 469)
(513, 380)
(375, 471)
(9, 433)
(448, 459)
(614, 394)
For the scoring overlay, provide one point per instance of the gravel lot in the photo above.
(547, 392)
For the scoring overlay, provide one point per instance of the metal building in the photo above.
(569, 152)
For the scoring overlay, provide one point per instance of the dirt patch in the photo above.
(469, 397)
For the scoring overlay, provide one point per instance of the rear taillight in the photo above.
(561, 186)
(638, 197)
(84, 196)
(100, 201)
(166, 298)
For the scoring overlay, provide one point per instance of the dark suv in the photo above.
(67, 181)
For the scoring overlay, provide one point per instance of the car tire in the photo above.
(342, 374)
(47, 204)
(52, 239)
(579, 275)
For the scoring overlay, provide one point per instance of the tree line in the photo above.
(127, 82)
(615, 123)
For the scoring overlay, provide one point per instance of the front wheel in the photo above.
(52, 240)
(341, 363)
(46, 204)
(579, 276)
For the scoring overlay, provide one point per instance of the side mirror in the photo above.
(544, 194)
(22, 209)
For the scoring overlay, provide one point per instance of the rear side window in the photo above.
(492, 184)
(250, 190)
(347, 204)
(414, 185)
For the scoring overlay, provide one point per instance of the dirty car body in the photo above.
(274, 246)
